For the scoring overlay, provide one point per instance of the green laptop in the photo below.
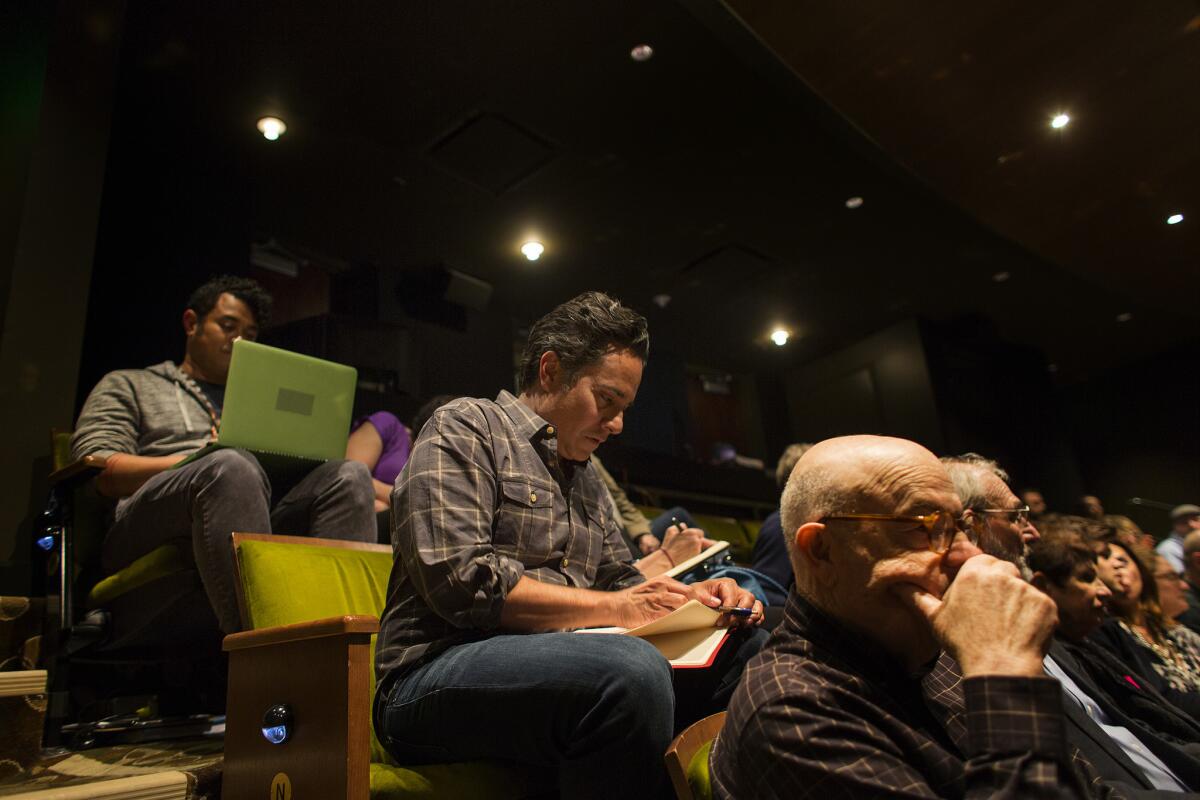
(285, 407)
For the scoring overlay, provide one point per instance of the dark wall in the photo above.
(1137, 432)
(880, 385)
(658, 419)
(997, 399)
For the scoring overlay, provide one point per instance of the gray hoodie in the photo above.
(157, 411)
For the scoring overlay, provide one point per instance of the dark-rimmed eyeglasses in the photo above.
(941, 526)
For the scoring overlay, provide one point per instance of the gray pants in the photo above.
(228, 491)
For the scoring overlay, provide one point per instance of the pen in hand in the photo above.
(736, 611)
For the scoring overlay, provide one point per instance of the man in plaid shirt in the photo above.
(504, 537)
(833, 706)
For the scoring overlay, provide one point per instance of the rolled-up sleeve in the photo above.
(616, 570)
(443, 508)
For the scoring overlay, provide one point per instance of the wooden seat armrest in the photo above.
(78, 471)
(357, 625)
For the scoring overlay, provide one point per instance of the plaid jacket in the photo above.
(482, 501)
(821, 712)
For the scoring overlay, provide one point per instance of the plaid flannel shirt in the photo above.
(821, 712)
(482, 501)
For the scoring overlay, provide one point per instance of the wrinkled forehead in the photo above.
(998, 493)
(911, 483)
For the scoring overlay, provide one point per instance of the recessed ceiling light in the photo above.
(1175, 219)
(642, 52)
(780, 337)
(661, 300)
(533, 250)
(1059, 121)
(271, 128)
(1001, 277)
(853, 202)
(1124, 316)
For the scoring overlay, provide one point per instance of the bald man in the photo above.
(833, 705)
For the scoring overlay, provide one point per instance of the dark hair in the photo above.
(1058, 555)
(426, 411)
(581, 331)
(245, 289)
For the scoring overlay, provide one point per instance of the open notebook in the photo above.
(687, 637)
(715, 554)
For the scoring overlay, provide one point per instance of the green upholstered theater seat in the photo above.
(726, 529)
(286, 582)
(650, 512)
(697, 773)
(158, 563)
(751, 527)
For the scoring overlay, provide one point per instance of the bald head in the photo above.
(864, 572)
(850, 474)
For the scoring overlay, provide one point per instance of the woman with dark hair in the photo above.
(1141, 635)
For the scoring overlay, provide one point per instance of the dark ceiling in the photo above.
(426, 132)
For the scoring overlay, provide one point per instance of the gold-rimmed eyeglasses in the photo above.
(940, 527)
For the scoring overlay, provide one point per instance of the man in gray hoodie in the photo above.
(145, 421)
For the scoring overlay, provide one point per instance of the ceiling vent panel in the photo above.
(492, 152)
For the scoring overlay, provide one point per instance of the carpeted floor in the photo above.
(198, 759)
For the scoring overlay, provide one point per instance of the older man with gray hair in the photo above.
(886, 577)
(1000, 518)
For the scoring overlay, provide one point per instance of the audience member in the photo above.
(1089, 506)
(1142, 741)
(1184, 520)
(503, 538)
(382, 443)
(1037, 504)
(1001, 521)
(645, 536)
(1101, 752)
(1191, 574)
(146, 421)
(1164, 652)
(831, 707)
(770, 556)
(1128, 532)
(426, 411)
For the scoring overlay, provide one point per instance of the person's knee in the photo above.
(234, 470)
(354, 478)
(639, 682)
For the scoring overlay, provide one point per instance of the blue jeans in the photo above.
(659, 525)
(598, 710)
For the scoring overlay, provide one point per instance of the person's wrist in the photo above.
(1017, 665)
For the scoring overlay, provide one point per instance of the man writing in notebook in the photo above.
(504, 539)
(145, 421)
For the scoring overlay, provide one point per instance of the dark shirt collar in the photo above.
(539, 432)
(855, 652)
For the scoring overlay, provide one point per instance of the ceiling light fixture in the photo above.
(661, 300)
(780, 337)
(533, 250)
(1059, 121)
(1124, 316)
(1001, 277)
(854, 202)
(271, 128)
(642, 52)
(1175, 219)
